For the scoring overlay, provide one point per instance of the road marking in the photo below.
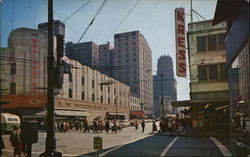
(168, 147)
(104, 153)
(222, 148)
(9, 150)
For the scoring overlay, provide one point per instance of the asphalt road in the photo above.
(128, 143)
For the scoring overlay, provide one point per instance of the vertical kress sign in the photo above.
(180, 42)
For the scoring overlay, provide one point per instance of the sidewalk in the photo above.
(192, 134)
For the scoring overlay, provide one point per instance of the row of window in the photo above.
(211, 42)
(119, 50)
(212, 72)
(126, 44)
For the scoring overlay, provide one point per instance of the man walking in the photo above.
(143, 125)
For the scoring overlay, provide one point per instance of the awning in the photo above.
(114, 113)
(65, 113)
(187, 103)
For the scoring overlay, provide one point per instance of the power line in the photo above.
(77, 10)
(124, 18)
(91, 22)
(156, 2)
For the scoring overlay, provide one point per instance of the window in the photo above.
(221, 41)
(108, 89)
(126, 54)
(93, 97)
(83, 96)
(201, 44)
(202, 73)
(212, 45)
(223, 72)
(13, 68)
(12, 88)
(127, 60)
(119, 61)
(134, 54)
(70, 77)
(109, 100)
(70, 93)
(134, 59)
(213, 72)
(101, 99)
(83, 81)
(114, 91)
(101, 87)
(93, 84)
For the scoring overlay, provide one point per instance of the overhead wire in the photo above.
(125, 17)
(91, 22)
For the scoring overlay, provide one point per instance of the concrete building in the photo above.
(165, 86)
(59, 27)
(26, 79)
(136, 110)
(105, 52)
(87, 53)
(133, 53)
(208, 77)
(236, 14)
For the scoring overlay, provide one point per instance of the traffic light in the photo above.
(59, 70)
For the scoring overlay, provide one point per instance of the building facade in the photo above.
(236, 14)
(105, 52)
(134, 57)
(25, 81)
(164, 83)
(87, 53)
(209, 104)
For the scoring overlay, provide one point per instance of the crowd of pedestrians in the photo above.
(96, 126)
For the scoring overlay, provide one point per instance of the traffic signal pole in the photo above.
(161, 75)
(50, 123)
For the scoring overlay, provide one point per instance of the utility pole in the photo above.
(50, 129)
(191, 11)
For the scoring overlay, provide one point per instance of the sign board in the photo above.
(180, 42)
(97, 143)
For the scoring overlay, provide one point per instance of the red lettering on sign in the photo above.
(182, 67)
(180, 16)
(34, 67)
(182, 55)
(181, 29)
(34, 40)
(181, 41)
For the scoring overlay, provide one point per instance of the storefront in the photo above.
(211, 115)
(115, 116)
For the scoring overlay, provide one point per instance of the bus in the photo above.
(8, 120)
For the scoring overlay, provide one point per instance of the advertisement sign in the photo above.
(34, 62)
(180, 42)
(97, 143)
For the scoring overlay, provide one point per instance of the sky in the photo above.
(153, 18)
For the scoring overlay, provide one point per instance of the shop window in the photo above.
(212, 45)
(213, 72)
(202, 73)
(12, 88)
(201, 44)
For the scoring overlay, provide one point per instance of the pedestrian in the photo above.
(143, 125)
(86, 126)
(2, 145)
(15, 141)
(154, 127)
(161, 126)
(107, 126)
(136, 125)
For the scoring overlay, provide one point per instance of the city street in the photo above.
(128, 142)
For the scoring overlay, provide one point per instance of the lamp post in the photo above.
(50, 129)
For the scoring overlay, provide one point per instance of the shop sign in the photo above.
(34, 62)
(180, 42)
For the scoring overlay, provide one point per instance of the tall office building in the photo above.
(105, 52)
(134, 55)
(87, 53)
(164, 85)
